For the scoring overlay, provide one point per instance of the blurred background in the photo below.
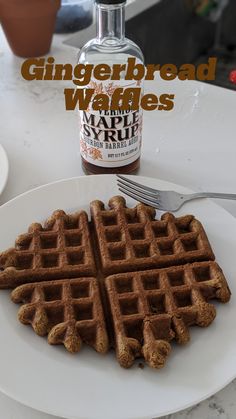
(168, 31)
(189, 31)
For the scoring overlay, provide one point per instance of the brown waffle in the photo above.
(131, 239)
(62, 249)
(69, 311)
(151, 308)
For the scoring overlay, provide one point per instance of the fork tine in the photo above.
(140, 192)
(138, 185)
(139, 198)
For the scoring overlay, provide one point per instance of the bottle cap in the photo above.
(110, 1)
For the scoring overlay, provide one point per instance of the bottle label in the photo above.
(110, 138)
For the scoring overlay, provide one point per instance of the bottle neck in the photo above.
(111, 22)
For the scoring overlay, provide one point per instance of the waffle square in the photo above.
(68, 311)
(151, 308)
(60, 249)
(132, 239)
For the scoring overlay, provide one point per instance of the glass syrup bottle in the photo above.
(115, 147)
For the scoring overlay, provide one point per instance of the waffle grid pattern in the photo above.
(151, 308)
(131, 239)
(68, 311)
(59, 250)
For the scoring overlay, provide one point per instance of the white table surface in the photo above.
(195, 146)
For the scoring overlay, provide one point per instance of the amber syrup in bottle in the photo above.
(110, 141)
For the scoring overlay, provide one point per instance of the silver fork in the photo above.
(162, 200)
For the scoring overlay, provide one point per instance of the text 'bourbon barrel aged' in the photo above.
(110, 140)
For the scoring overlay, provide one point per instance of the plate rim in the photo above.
(6, 173)
(167, 412)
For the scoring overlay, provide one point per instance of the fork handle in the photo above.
(212, 195)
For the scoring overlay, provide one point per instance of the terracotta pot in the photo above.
(29, 25)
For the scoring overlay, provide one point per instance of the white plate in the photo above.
(4, 168)
(91, 386)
